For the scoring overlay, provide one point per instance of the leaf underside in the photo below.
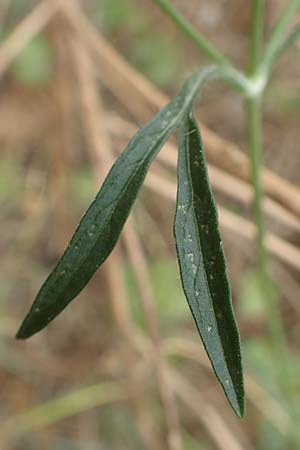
(202, 265)
(100, 227)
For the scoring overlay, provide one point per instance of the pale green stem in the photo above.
(187, 28)
(256, 34)
(254, 129)
(254, 125)
(253, 87)
(289, 40)
(278, 32)
(254, 122)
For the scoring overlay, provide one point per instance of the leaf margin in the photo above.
(39, 315)
(236, 400)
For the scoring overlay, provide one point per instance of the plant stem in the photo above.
(187, 28)
(253, 107)
(291, 37)
(254, 119)
(277, 338)
(256, 34)
(279, 29)
(254, 129)
(254, 124)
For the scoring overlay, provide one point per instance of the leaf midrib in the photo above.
(199, 242)
(171, 125)
(117, 200)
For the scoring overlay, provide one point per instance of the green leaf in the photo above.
(101, 225)
(202, 265)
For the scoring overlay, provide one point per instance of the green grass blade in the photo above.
(63, 407)
(202, 265)
(100, 227)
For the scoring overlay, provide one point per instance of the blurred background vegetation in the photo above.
(123, 367)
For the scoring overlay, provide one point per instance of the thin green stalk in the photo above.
(279, 29)
(187, 28)
(254, 131)
(254, 120)
(254, 128)
(289, 40)
(276, 329)
(254, 125)
(256, 34)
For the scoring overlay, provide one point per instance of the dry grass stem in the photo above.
(106, 159)
(207, 415)
(139, 264)
(289, 286)
(78, 44)
(121, 79)
(24, 32)
(257, 395)
(98, 140)
(283, 250)
(102, 158)
(230, 185)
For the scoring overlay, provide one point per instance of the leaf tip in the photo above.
(240, 409)
(28, 327)
(22, 332)
(236, 398)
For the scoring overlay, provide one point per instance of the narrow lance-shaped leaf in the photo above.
(202, 265)
(101, 225)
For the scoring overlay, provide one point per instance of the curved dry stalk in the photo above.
(277, 246)
(259, 397)
(215, 425)
(230, 185)
(280, 248)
